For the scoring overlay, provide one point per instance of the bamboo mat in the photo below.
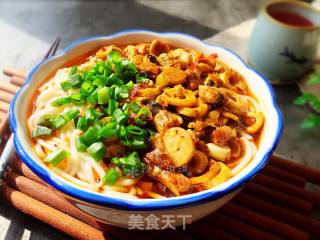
(275, 205)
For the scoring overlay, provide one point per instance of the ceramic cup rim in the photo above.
(300, 4)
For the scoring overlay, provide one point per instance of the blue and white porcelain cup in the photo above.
(280, 51)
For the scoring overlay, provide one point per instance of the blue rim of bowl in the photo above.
(132, 204)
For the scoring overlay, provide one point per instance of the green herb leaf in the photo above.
(311, 121)
(131, 165)
(314, 78)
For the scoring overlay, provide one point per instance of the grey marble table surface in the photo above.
(27, 28)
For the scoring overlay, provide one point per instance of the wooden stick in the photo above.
(243, 230)
(5, 96)
(8, 87)
(300, 221)
(48, 196)
(4, 124)
(204, 231)
(284, 176)
(313, 197)
(17, 80)
(4, 106)
(264, 222)
(10, 71)
(280, 198)
(51, 216)
(311, 174)
(18, 166)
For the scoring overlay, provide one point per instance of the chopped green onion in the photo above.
(138, 143)
(134, 107)
(97, 150)
(77, 99)
(45, 120)
(61, 101)
(81, 147)
(75, 81)
(100, 81)
(41, 131)
(56, 157)
(119, 116)
(131, 164)
(103, 95)
(57, 122)
(65, 85)
(82, 123)
(114, 56)
(71, 114)
(90, 136)
(121, 92)
(108, 131)
(111, 176)
(139, 122)
(112, 106)
(73, 70)
(87, 87)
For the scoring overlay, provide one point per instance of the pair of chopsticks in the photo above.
(7, 91)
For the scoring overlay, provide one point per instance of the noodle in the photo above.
(146, 121)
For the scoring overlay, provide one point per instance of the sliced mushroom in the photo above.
(219, 153)
(169, 76)
(179, 145)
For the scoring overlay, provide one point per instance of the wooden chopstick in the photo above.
(5, 96)
(8, 87)
(282, 199)
(311, 174)
(300, 221)
(313, 197)
(4, 106)
(281, 229)
(238, 228)
(206, 231)
(283, 175)
(17, 80)
(10, 71)
(51, 216)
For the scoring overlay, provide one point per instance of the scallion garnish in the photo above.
(81, 147)
(90, 136)
(57, 122)
(56, 157)
(61, 101)
(111, 176)
(119, 116)
(41, 131)
(103, 95)
(82, 124)
(97, 150)
(131, 165)
(71, 114)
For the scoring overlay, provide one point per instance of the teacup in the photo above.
(284, 41)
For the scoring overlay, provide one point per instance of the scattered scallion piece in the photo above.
(56, 157)
(119, 116)
(57, 122)
(82, 124)
(90, 136)
(61, 101)
(108, 131)
(71, 114)
(103, 95)
(111, 176)
(131, 165)
(77, 99)
(134, 107)
(97, 150)
(41, 131)
(112, 106)
(81, 147)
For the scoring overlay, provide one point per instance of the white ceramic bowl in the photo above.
(117, 211)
